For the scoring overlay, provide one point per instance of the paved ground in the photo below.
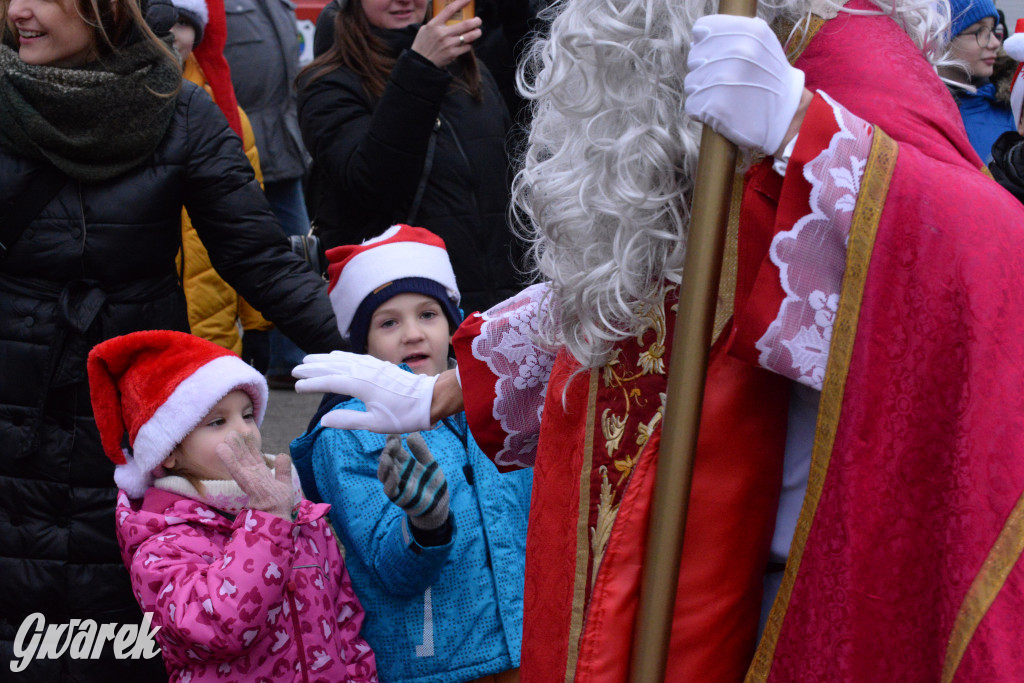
(288, 413)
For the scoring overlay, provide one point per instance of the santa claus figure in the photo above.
(859, 476)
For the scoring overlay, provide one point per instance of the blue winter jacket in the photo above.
(984, 118)
(433, 614)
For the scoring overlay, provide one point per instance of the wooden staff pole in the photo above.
(712, 193)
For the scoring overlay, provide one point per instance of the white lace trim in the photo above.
(507, 344)
(811, 257)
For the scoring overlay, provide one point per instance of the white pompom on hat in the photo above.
(150, 389)
(401, 253)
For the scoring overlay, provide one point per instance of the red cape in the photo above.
(906, 561)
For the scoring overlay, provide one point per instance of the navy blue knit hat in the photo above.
(963, 13)
(403, 259)
(360, 329)
(196, 14)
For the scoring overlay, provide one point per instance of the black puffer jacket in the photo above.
(1007, 165)
(369, 156)
(97, 262)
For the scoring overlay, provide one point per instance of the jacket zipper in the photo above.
(81, 217)
(298, 630)
(485, 532)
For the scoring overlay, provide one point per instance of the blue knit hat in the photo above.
(966, 12)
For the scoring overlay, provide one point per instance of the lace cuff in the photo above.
(811, 256)
(508, 370)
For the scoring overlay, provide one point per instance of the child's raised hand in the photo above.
(415, 483)
(269, 491)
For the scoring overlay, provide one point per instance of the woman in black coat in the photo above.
(100, 147)
(405, 126)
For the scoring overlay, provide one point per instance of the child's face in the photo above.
(410, 328)
(184, 38)
(197, 453)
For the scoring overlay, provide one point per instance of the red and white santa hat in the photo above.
(361, 273)
(1014, 46)
(150, 389)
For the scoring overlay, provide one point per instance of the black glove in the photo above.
(160, 15)
(1007, 165)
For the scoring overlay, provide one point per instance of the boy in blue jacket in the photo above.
(434, 536)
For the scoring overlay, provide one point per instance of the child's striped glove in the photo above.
(414, 482)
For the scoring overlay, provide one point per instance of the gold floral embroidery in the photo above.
(613, 427)
(644, 431)
(651, 361)
(623, 376)
(609, 371)
(625, 465)
(600, 533)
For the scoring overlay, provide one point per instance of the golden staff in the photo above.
(712, 190)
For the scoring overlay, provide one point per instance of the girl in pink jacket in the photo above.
(242, 575)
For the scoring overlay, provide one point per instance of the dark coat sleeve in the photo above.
(246, 244)
(1007, 165)
(373, 154)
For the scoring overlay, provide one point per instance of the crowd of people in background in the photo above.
(154, 156)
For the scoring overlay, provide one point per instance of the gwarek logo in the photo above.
(81, 639)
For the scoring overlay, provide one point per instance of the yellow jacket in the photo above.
(215, 310)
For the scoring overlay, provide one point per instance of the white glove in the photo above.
(740, 82)
(396, 401)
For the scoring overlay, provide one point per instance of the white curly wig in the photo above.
(603, 194)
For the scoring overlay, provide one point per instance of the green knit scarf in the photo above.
(94, 122)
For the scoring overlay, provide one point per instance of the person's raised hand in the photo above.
(269, 491)
(396, 401)
(442, 44)
(740, 82)
(415, 483)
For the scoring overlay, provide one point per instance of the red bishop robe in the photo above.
(905, 562)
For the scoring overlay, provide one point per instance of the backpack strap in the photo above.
(427, 164)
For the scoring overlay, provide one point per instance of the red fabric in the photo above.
(927, 462)
(766, 211)
(210, 55)
(551, 533)
(928, 459)
(731, 518)
(478, 390)
(340, 257)
(898, 92)
(131, 376)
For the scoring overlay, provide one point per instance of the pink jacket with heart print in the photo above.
(250, 599)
